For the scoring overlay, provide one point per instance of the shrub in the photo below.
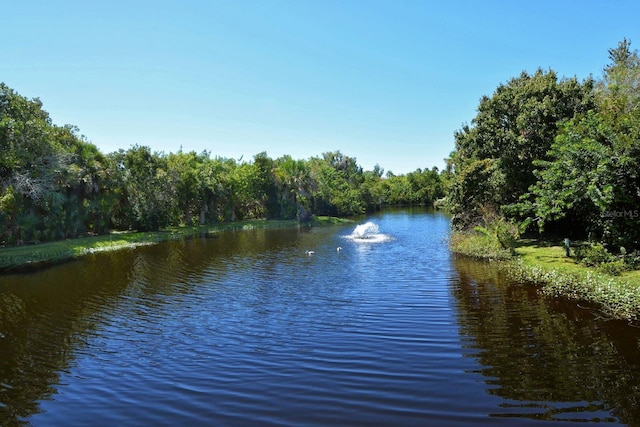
(613, 268)
(632, 260)
(479, 244)
(593, 254)
(507, 234)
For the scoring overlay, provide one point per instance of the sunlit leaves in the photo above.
(592, 173)
(494, 158)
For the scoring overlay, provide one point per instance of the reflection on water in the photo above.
(547, 359)
(48, 317)
(246, 328)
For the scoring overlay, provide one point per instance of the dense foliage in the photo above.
(55, 184)
(592, 177)
(494, 157)
(558, 154)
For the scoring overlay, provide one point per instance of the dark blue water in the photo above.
(247, 329)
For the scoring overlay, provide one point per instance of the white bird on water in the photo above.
(339, 248)
(310, 252)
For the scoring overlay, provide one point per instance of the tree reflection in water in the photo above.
(47, 317)
(548, 359)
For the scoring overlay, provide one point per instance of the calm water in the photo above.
(246, 329)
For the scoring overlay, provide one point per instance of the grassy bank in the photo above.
(479, 246)
(545, 263)
(28, 257)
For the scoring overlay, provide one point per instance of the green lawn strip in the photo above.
(38, 255)
(545, 263)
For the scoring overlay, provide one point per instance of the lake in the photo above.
(249, 329)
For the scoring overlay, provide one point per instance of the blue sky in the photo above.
(386, 82)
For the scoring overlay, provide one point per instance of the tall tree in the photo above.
(296, 187)
(493, 160)
(149, 192)
(338, 180)
(184, 169)
(53, 183)
(266, 187)
(591, 181)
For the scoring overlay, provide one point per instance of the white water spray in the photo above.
(367, 232)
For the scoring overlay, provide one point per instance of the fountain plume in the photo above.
(368, 232)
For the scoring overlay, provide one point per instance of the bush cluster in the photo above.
(596, 255)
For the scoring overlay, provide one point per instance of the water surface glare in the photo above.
(248, 329)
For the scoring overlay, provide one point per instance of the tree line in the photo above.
(55, 184)
(543, 153)
(556, 155)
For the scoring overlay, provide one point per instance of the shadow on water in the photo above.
(548, 359)
(47, 317)
(44, 317)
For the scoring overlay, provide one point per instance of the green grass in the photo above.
(29, 257)
(479, 246)
(544, 263)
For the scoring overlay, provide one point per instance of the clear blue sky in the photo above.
(386, 82)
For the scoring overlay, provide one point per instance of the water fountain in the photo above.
(368, 232)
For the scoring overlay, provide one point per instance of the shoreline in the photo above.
(28, 258)
(544, 263)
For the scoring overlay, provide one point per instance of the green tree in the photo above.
(619, 90)
(296, 187)
(148, 191)
(213, 190)
(372, 191)
(245, 193)
(426, 186)
(591, 183)
(265, 185)
(338, 179)
(493, 160)
(53, 183)
(185, 170)
(28, 163)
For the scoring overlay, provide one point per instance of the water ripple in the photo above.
(246, 329)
